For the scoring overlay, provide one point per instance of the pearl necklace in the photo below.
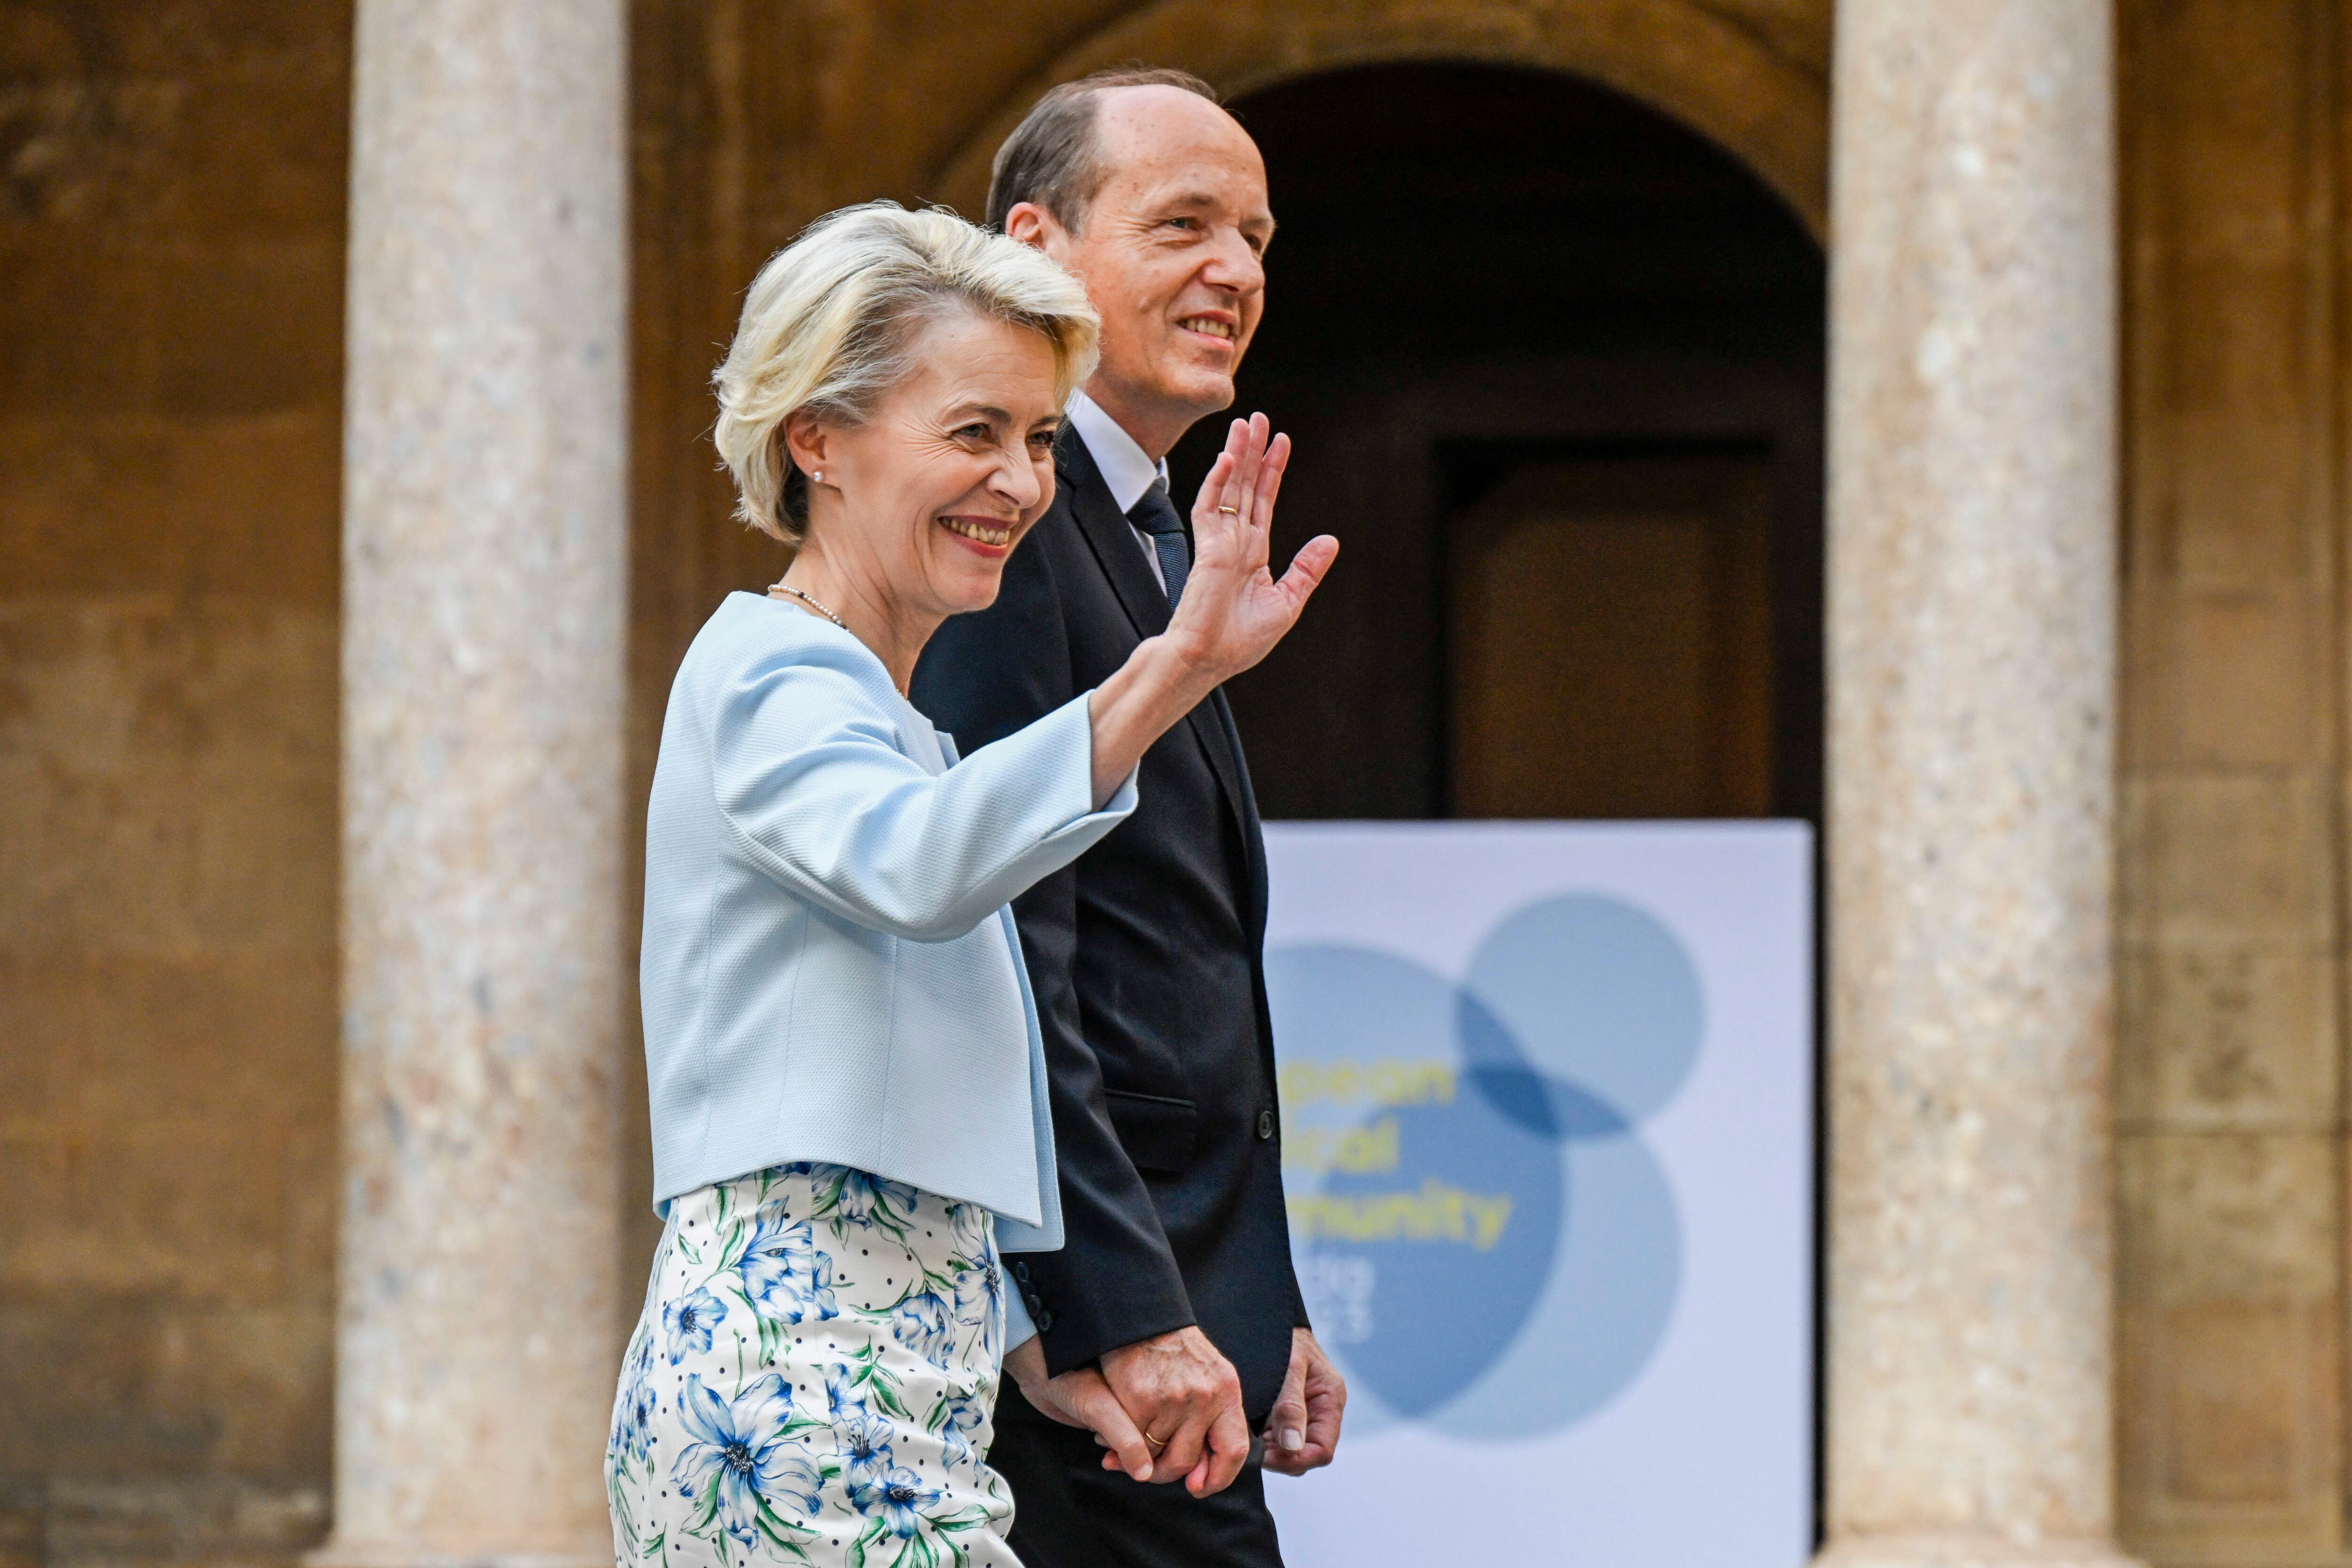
(812, 604)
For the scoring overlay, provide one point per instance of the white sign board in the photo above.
(1547, 1109)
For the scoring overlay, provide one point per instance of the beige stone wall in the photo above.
(2232, 1134)
(170, 257)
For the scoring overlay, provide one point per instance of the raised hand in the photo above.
(1235, 610)
(1232, 612)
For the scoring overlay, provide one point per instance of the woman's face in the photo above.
(938, 487)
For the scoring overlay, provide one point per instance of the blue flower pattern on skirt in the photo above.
(922, 1325)
(783, 1274)
(813, 1381)
(632, 1412)
(690, 1324)
(740, 1469)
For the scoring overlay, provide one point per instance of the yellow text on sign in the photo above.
(1352, 1151)
(1439, 1212)
(1383, 1082)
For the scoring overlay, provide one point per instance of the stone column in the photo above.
(1972, 647)
(483, 561)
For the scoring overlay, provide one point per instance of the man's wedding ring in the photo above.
(1155, 1442)
(1230, 511)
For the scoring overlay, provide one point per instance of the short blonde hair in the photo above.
(832, 320)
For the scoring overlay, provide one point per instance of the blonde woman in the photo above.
(848, 1086)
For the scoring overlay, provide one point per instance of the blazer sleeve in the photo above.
(811, 783)
(983, 677)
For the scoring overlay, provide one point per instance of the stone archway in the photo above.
(1686, 58)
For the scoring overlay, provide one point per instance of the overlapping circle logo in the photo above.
(1486, 1242)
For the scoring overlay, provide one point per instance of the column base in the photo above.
(1971, 1551)
(375, 1554)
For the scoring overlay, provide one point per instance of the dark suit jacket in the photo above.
(1146, 960)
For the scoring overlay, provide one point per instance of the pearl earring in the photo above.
(817, 478)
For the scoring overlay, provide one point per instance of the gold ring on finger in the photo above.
(1155, 1442)
(1230, 511)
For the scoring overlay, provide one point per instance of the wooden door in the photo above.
(1611, 639)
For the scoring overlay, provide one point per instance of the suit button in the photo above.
(1037, 1302)
(1265, 1123)
(1044, 1322)
(1021, 1272)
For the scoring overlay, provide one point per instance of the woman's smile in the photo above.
(992, 537)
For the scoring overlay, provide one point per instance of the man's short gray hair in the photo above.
(1052, 157)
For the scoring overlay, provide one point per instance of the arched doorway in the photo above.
(1554, 363)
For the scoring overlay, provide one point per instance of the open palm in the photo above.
(1233, 608)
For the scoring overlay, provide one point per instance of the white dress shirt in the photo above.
(1123, 465)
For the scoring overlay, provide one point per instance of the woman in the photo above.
(849, 1113)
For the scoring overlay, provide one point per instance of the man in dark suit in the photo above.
(1146, 956)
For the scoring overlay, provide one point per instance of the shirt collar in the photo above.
(1122, 464)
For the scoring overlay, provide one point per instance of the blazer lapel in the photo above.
(1112, 538)
(1253, 832)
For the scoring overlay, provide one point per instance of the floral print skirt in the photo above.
(812, 1382)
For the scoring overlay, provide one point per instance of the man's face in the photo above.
(1171, 251)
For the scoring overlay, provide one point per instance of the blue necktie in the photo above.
(1156, 515)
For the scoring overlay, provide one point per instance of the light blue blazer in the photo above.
(829, 970)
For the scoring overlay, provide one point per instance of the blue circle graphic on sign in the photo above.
(1485, 1241)
(1599, 997)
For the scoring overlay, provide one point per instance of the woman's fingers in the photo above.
(1278, 458)
(1232, 498)
(1091, 1400)
(1250, 436)
(1238, 493)
(1261, 437)
(1257, 431)
(1260, 516)
(1212, 490)
(1306, 569)
(1218, 486)
(1224, 477)
(1241, 610)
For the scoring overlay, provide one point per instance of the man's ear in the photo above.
(1034, 226)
